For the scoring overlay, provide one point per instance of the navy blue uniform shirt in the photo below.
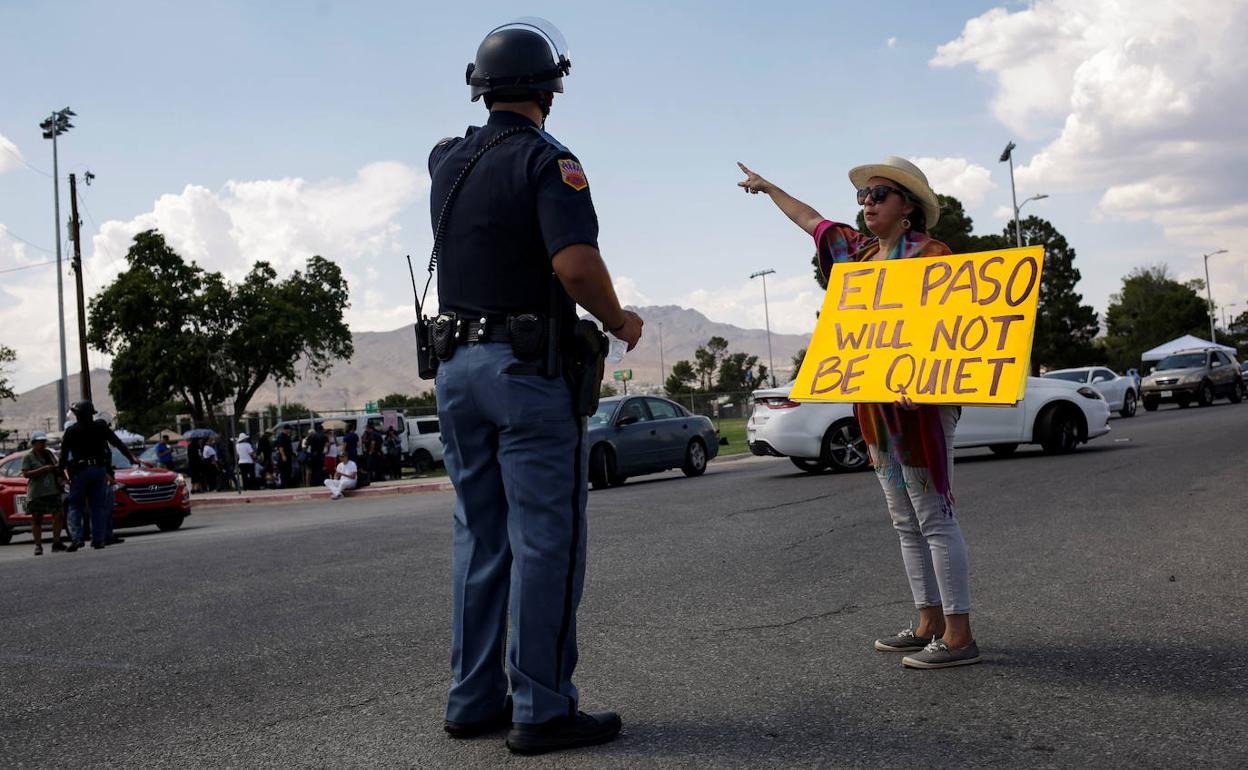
(523, 202)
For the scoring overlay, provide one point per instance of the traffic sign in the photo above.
(623, 375)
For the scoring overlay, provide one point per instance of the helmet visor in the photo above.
(558, 45)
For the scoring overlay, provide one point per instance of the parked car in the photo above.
(1121, 391)
(1193, 375)
(636, 435)
(143, 496)
(181, 462)
(423, 444)
(1056, 414)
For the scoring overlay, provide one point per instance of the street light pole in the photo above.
(1020, 208)
(771, 364)
(1008, 155)
(1213, 333)
(56, 124)
(662, 366)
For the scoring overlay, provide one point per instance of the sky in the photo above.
(248, 131)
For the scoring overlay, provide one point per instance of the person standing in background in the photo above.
(246, 462)
(285, 447)
(44, 491)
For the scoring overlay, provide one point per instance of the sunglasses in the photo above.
(878, 193)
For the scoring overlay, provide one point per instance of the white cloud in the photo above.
(891, 42)
(966, 181)
(10, 156)
(1142, 104)
(792, 302)
(283, 221)
(628, 293)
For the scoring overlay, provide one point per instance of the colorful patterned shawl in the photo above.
(895, 437)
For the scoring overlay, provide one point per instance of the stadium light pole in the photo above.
(56, 124)
(1213, 333)
(1008, 155)
(771, 364)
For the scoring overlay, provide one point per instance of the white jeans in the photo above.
(932, 547)
(338, 486)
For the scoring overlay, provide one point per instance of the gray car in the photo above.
(1193, 375)
(636, 435)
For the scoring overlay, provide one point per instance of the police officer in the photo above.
(86, 455)
(514, 445)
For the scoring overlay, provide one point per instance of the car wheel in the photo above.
(422, 461)
(1003, 450)
(1059, 430)
(602, 468)
(1150, 404)
(1128, 404)
(695, 458)
(844, 449)
(1204, 396)
(6, 534)
(170, 523)
(809, 464)
(1237, 392)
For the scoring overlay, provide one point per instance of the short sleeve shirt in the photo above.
(524, 201)
(839, 242)
(45, 484)
(346, 469)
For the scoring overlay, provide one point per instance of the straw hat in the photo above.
(906, 174)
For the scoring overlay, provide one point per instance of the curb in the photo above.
(305, 493)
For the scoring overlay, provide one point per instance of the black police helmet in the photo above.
(83, 408)
(514, 61)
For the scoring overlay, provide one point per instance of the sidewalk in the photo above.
(262, 496)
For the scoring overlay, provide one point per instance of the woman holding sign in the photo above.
(911, 445)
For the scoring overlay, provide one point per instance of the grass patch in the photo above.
(734, 431)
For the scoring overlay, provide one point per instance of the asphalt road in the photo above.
(729, 618)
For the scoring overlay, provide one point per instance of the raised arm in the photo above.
(802, 214)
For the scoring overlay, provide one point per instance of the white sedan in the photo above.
(1122, 392)
(1056, 414)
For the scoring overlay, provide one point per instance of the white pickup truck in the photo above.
(423, 442)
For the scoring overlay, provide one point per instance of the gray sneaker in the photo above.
(903, 641)
(938, 654)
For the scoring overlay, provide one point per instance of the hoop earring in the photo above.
(905, 224)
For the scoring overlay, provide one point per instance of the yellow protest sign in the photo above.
(946, 330)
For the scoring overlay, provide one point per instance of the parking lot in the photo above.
(729, 618)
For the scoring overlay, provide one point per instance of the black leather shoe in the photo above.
(564, 733)
(114, 540)
(495, 723)
(74, 546)
(97, 546)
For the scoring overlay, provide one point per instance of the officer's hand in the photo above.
(631, 331)
(753, 183)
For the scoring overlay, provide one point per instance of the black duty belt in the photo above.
(485, 329)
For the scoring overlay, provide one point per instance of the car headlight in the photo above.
(1091, 393)
(1192, 379)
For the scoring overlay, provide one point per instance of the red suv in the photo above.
(143, 496)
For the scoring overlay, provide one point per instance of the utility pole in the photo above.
(662, 367)
(56, 124)
(76, 229)
(771, 364)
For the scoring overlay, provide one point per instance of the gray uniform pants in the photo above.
(516, 455)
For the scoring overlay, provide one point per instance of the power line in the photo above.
(9, 233)
(22, 160)
(27, 267)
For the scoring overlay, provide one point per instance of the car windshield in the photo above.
(1181, 361)
(603, 415)
(119, 460)
(1071, 376)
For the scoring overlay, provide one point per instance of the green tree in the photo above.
(158, 417)
(706, 360)
(1065, 327)
(1151, 308)
(7, 356)
(607, 390)
(683, 379)
(178, 332)
(291, 410)
(798, 359)
(737, 372)
(410, 405)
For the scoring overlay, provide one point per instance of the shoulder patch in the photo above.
(573, 175)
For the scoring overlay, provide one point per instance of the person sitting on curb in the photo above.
(344, 476)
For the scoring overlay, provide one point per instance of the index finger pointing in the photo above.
(741, 166)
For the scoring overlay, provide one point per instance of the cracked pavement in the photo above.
(729, 619)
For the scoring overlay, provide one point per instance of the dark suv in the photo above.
(1193, 375)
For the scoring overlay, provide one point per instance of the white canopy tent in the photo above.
(1186, 342)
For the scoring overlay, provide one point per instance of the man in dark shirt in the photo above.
(285, 447)
(316, 456)
(352, 442)
(520, 241)
(87, 455)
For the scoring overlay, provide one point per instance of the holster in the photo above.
(585, 357)
(426, 361)
(528, 336)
